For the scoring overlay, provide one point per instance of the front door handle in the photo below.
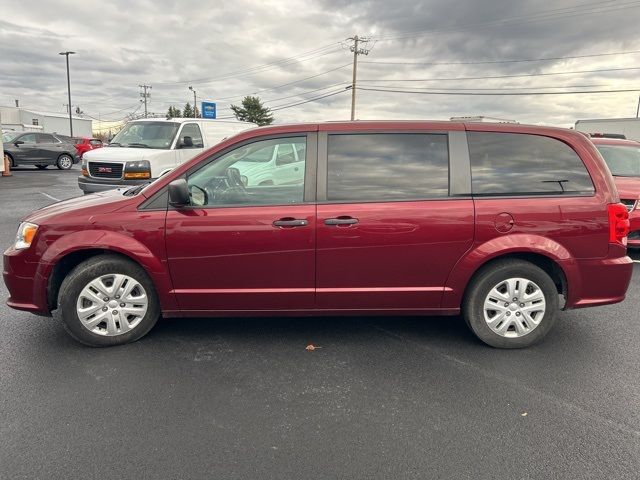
(290, 222)
(341, 221)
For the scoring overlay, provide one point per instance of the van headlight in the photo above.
(24, 237)
(140, 170)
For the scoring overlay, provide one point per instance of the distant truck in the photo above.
(629, 127)
(146, 149)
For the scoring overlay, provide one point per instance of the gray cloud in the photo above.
(174, 44)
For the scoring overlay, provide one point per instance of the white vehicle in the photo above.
(629, 127)
(148, 148)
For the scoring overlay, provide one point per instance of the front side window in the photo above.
(522, 164)
(28, 138)
(384, 167)
(146, 135)
(252, 175)
(623, 161)
(194, 140)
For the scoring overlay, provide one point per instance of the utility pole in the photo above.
(194, 100)
(356, 51)
(66, 54)
(144, 96)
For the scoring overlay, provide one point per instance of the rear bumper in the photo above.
(93, 185)
(599, 282)
(634, 229)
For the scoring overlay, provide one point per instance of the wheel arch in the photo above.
(550, 256)
(66, 253)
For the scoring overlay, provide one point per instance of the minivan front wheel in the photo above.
(108, 300)
(511, 304)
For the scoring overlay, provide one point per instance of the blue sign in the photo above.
(208, 110)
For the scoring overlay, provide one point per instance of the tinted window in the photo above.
(95, 143)
(192, 130)
(520, 164)
(385, 166)
(45, 138)
(252, 175)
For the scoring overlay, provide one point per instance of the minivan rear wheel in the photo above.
(511, 304)
(108, 300)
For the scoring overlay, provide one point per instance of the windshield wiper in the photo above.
(113, 144)
(141, 145)
(135, 190)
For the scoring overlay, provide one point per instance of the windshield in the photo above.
(623, 161)
(146, 135)
(8, 136)
(254, 153)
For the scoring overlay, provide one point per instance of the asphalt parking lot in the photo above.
(381, 398)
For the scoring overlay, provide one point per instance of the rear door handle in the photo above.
(341, 221)
(290, 222)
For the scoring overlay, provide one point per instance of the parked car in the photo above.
(623, 159)
(84, 144)
(146, 149)
(503, 223)
(39, 149)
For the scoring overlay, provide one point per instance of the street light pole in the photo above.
(66, 54)
(194, 100)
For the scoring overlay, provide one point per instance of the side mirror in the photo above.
(18, 142)
(179, 193)
(187, 142)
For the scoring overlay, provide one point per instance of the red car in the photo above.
(85, 144)
(503, 223)
(623, 159)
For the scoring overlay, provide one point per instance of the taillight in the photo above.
(618, 223)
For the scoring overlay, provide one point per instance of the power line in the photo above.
(283, 107)
(357, 50)
(488, 62)
(422, 92)
(486, 77)
(286, 84)
(303, 57)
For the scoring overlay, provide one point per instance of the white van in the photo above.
(148, 148)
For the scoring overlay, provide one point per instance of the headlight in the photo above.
(26, 233)
(140, 170)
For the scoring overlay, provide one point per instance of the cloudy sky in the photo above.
(289, 52)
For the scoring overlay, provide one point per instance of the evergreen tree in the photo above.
(173, 112)
(188, 111)
(253, 111)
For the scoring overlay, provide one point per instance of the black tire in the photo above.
(12, 163)
(89, 270)
(65, 162)
(490, 276)
(42, 167)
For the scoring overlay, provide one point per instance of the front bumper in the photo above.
(27, 289)
(93, 185)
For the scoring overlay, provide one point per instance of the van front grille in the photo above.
(105, 170)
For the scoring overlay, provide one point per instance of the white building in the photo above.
(24, 120)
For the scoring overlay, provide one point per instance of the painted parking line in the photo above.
(49, 196)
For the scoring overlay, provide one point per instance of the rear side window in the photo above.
(386, 167)
(45, 138)
(521, 164)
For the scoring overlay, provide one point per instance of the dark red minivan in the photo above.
(503, 223)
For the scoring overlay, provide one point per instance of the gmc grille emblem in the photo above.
(104, 170)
